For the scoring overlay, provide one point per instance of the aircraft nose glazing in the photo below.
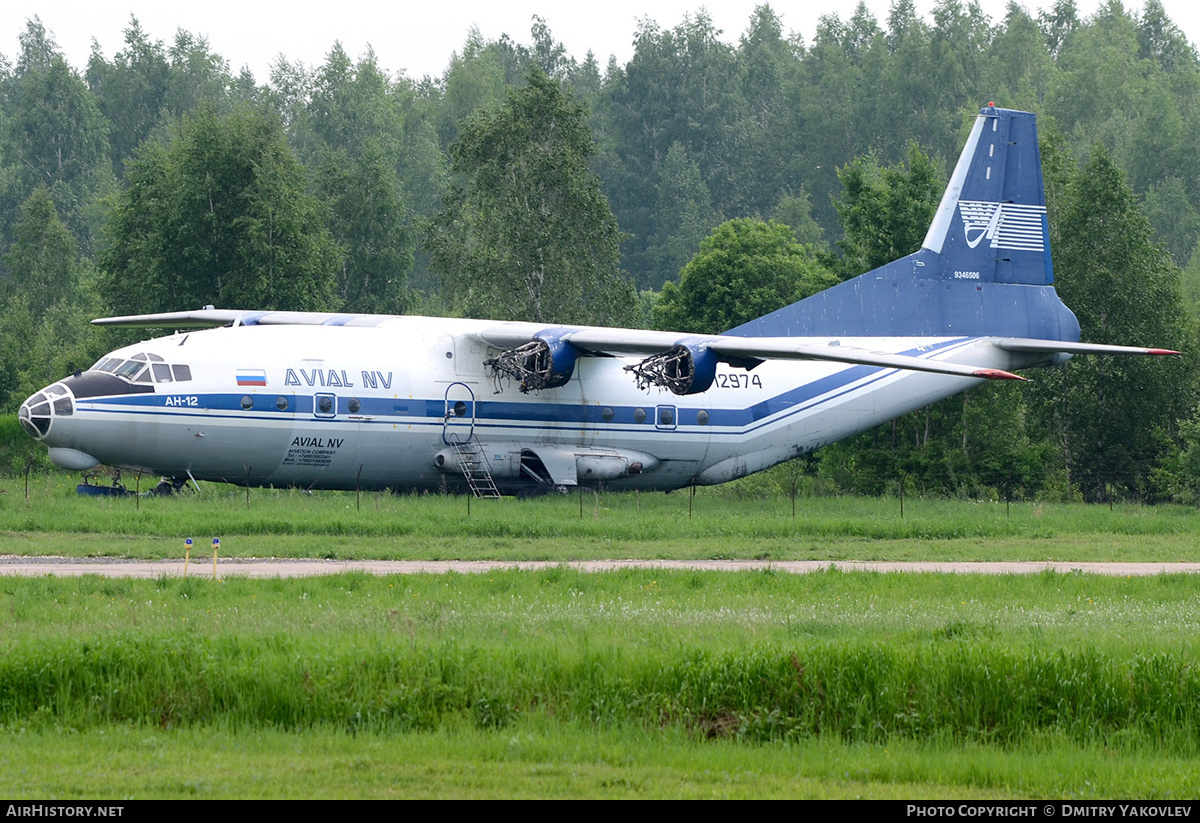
(38, 412)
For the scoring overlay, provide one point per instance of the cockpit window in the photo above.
(129, 369)
(143, 367)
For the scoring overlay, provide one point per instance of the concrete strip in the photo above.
(267, 568)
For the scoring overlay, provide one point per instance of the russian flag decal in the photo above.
(251, 377)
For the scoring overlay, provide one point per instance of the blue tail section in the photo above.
(983, 271)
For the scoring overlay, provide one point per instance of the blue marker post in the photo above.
(216, 547)
(187, 554)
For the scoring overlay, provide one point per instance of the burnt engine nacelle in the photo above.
(544, 363)
(684, 370)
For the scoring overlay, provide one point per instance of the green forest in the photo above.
(714, 177)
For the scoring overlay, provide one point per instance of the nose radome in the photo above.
(34, 416)
(37, 413)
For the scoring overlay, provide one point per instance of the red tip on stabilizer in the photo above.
(996, 374)
(1162, 351)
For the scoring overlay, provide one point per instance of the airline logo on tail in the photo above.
(1005, 225)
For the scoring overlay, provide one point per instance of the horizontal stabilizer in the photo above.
(1065, 347)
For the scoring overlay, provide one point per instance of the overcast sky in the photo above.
(419, 38)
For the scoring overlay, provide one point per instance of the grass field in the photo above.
(536, 758)
(559, 683)
(634, 683)
(717, 524)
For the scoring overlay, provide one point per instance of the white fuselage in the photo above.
(339, 407)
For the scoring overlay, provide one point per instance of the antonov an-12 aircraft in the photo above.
(344, 401)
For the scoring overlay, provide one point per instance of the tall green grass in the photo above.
(864, 692)
(752, 657)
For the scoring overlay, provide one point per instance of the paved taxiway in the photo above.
(201, 566)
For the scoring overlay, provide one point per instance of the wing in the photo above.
(676, 347)
(209, 317)
(745, 351)
(543, 357)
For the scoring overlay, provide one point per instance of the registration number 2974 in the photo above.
(734, 380)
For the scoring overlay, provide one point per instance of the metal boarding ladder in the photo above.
(474, 465)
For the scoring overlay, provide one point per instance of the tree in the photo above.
(44, 329)
(885, 211)
(1021, 62)
(768, 68)
(351, 105)
(368, 219)
(685, 215)
(528, 234)
(219, 216)
(548, 53)
(744, 269)
(42, 260)
(131, 91)
(1160, 40)
(1175, 220)
(57, 136)
(1108, 414)
(198, 75)
(1058, 25)
(474, 81)
(795, 211)
(957, 61)
(681, 86)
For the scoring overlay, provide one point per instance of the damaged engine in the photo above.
(683, 370)
(541, 364)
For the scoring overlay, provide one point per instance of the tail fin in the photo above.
(983, 270)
